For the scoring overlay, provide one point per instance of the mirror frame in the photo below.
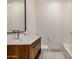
(24, 17)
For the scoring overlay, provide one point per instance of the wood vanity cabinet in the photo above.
(24, 51)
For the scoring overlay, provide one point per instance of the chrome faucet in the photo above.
(18, 33)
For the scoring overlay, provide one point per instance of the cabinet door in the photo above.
(35, 48)
(13, 52)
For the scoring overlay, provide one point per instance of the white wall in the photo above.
(48, 22)
(66, 22)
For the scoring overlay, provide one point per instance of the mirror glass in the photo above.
(16, 13)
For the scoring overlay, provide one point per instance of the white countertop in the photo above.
(25, 40)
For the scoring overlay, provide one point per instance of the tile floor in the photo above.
(52, 55)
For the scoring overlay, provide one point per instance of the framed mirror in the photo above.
(16, 15)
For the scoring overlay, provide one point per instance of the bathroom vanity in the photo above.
(25, 48)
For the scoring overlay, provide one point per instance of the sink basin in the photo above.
(16, 41)
(21, 40)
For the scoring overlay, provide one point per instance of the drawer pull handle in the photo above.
(13, 56)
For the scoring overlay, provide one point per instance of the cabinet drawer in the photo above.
(35, 48)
